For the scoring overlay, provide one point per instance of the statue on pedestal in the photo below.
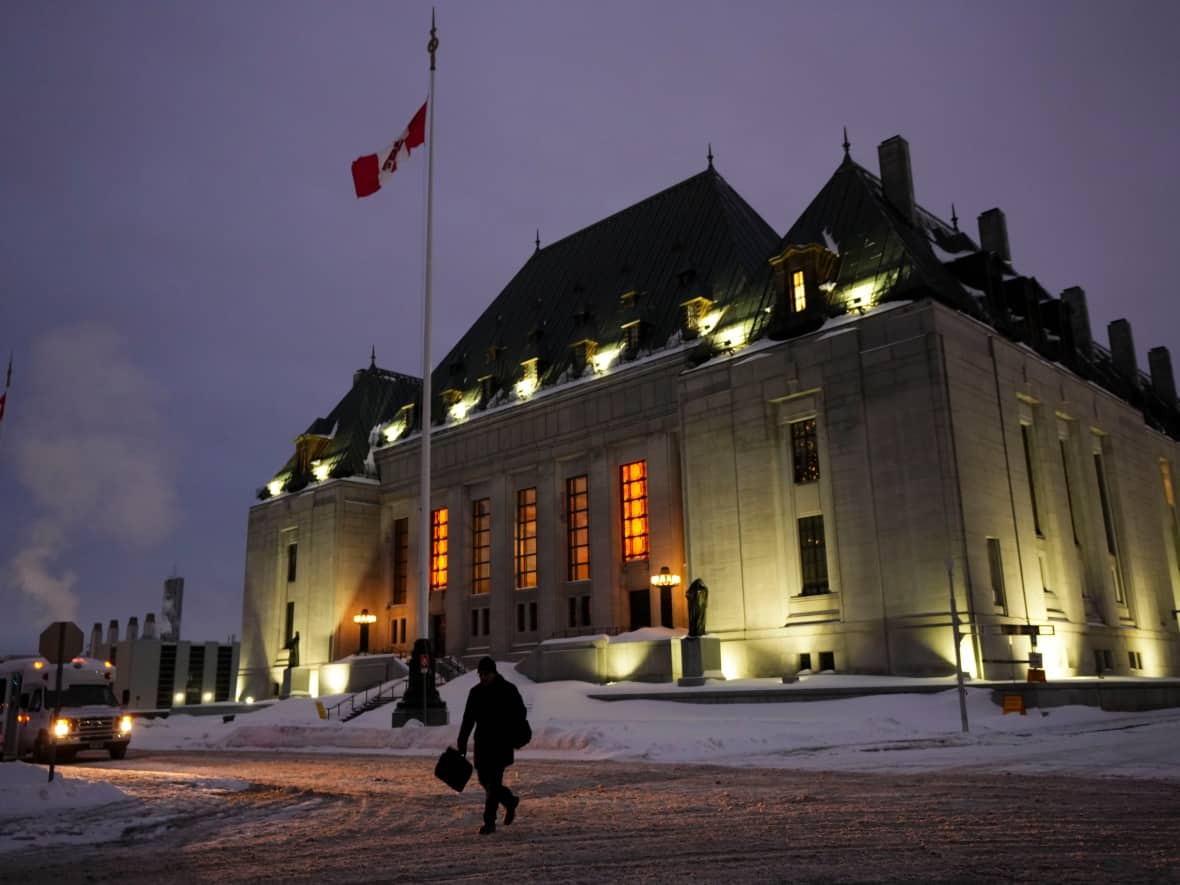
(698, 600)
(292, 646)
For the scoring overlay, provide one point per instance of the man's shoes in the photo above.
(510, 810)
(486, 829)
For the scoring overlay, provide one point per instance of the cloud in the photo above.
(30, 573)
(94, 452)
(94, 455)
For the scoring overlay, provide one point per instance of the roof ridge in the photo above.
(634, 206)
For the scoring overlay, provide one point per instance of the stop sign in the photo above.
(60, 641)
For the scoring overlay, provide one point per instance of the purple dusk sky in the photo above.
(188, 279)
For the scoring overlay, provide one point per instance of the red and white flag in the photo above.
(372, 171)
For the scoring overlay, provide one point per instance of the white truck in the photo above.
(86, 717)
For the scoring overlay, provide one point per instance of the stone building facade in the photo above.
(834, 429)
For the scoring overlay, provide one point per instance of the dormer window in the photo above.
(529, 379)
(798, 292)
(487, 388)
(629, 299)
(695, 310)
(528, 371)
(494, 353)
(450, 396)
(631, 337)
(583, 352)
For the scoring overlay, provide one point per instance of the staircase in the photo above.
(369, 699)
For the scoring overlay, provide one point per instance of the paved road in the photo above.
(225, 817)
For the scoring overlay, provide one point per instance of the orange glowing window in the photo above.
(798, 291)
(526, 538)
(481, 545)
(438, 549)
(634, 486)
(577, 517)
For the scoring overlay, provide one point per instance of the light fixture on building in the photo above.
(364, 619)
(665, 578)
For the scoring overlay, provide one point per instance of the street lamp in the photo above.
(364, 619)
(665, 578)
(665, 581)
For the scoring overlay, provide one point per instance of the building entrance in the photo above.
(640, 609)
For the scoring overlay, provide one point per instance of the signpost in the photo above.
(1036, 660)
(61, 641)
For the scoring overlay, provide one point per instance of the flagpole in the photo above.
(425, 538)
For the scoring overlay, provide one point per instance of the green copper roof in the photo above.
(698, 238)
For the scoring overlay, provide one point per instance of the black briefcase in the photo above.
(453, 769)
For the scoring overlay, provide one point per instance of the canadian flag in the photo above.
(372, 171)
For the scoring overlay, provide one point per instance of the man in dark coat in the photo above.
(495, 710)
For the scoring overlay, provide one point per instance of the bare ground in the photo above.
(321, 818)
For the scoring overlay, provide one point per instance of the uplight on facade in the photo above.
(275, 487)
(733, 336)
(603, 359)
(393, 431)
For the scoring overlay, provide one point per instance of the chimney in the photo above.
(1122, 350)
(170, 611)
(95, 642)
(897, 179)
(132, 628)
(112, 633)
(1163, 382)
(993, 233)
(1079, 320)
(149, 626)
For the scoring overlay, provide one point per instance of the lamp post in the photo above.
(364, 619)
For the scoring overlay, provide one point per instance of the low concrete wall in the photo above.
(1106, 694)
(597, 660)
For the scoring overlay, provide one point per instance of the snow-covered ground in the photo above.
(882, 733)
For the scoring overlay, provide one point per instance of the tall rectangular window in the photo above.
(481, 545)
(804, 451)
(289, 629)
(1073, 520)
(577, 522)
(813, 555)
(292, 562)
(533, 617)
(1170, 500)
(995, 564)
(401, 559)
(1026, 439)
(634, 487)
(439, 548)
(526, 538)
(1107, 521)
(798, 292)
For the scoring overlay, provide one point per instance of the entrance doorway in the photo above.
(640, 609)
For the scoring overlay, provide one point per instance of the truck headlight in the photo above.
(124, 725)
(61, 728)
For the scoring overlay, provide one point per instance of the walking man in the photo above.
(495, 710)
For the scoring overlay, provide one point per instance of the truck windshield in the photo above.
(82, 696)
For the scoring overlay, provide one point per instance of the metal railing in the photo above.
(369, 699)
